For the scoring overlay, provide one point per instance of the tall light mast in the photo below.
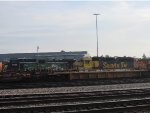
(96, 32)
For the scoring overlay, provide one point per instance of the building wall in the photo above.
(45, 55)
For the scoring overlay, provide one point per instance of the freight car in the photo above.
(111, 63)
(25, 64)
(17, 69)
(83, 64)
(118, 63)
(107, 67)
(110, 67)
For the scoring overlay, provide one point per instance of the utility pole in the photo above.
(96, 32)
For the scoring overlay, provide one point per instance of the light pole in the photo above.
(38, 50)
(37, 60)
(96, 32)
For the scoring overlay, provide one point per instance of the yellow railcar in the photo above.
(95, 64)
(85, 63)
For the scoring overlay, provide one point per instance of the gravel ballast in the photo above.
(73, 89)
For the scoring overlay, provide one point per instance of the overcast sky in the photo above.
(123, 27)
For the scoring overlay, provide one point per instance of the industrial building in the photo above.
(76, 55)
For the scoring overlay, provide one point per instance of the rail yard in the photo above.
(74, 56)
(125, 98)
(87, 85)
(70, 69)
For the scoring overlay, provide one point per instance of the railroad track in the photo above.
(83, 102)
(44, 84)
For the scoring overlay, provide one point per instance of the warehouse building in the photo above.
(76, 55)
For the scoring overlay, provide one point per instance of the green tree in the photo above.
(144, 56)
(107, 56)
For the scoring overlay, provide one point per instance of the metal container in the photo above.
(112, 63)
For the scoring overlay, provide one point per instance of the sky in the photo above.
(123, 27)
